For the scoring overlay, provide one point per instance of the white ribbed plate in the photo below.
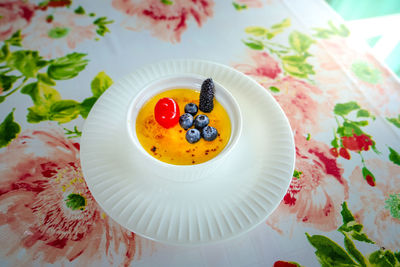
(244, 191)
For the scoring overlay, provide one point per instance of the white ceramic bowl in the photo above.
(184, 173)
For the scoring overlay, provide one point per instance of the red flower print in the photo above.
(166, 22)
(344, 153)
(370, 180)
(334, 152)
(48, 213)
(262, 66)
(15, 15)
(372, 207)
(284, 264)
(357, 142)
(314, 199)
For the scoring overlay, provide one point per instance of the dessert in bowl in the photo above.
(184, 126)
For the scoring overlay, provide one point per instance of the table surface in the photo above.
(58, 57)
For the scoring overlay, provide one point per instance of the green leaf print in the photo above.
(282, 25)
(297, 174)
(394, 156)
(4, 52)
(48, 104)
(167, 2)
(58, 32)
(86, 106)
(255, 44)
(347, 216)
(41, 94)
(27, 62)
(101, 24)
(239, 7)
(274, 89)
(363, 113)
(9, 129)
(44, 77)
(366, 72)
(395, 121)
(7, 81)
(67, 67)
(328, 252)
(256, 31)
(383, 258)
(43, 97)
(15, 39)
(350, 227)
(354, 252)
(100, 84)
(393, 205)
(75, 202)
(325, 33)
(345, 108)
(299, 41)
(73, 133)
(64, 111)
(80, 10)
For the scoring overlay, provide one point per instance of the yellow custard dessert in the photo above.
(169, 144)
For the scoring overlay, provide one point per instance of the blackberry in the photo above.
(207, 96)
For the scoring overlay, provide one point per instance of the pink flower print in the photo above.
(250, 3)
(372, 206)
(48, 214)
(60, 36)
(300, 100)
(315, 196)
(341, 60)
(262, 66)
(302, 104)
(164, 21)
(14, 15)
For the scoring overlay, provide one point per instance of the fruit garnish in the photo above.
(201, 121)
(207, 96)
(209, 133)
(186, 121)
(166, 112)
(193, 136)
(191, 108)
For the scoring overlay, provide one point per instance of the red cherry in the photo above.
(166, 112)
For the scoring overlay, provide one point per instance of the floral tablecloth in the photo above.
(58, 56)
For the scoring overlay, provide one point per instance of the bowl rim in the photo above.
(131, 120)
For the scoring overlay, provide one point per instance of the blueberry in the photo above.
(193, 136)
(191, 108)
(209, 133)
(186, 121)
(201, 121)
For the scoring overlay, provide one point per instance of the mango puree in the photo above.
(170, 145)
